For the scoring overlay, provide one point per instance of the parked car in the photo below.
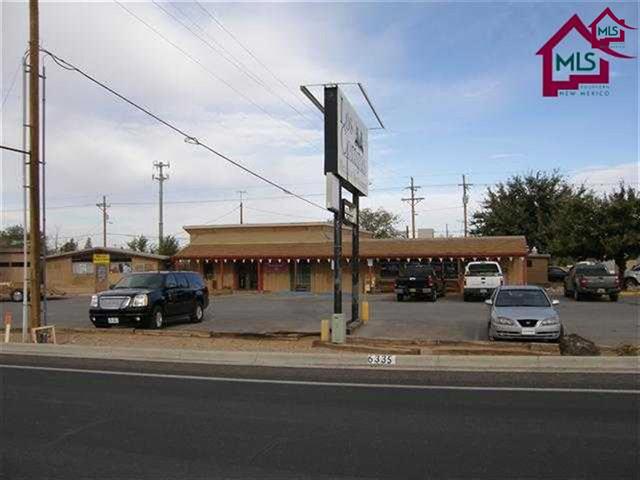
(632, 277)
(523, 312)
(591, 279)
(151, 300)
(417, 280)
(481, 279)
(556, 274)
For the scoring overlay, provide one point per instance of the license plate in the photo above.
(426, 290)
(412, 290)
(113, 320)
(483, 290)
(601, 290)
(528, 331)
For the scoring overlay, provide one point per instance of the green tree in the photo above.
(524, 205)
(69, 246)
(88, 243)
(12, 236)
(621, 222)
(139, 244)
(168, 246)
(600, 227)
(380, 222)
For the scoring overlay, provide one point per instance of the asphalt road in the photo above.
(450, 318)
(71, 424)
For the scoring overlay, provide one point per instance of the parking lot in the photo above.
(450, 318)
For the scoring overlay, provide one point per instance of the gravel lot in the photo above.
(450, 318)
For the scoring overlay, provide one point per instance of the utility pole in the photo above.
(446, 230)
(105, 216)
(241, 192)
(34, 163)
(160, 177)
(414, 201)
(465, 200)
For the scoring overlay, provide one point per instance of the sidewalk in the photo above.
(545, 364)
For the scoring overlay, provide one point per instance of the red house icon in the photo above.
(550, 87)
(610, 32)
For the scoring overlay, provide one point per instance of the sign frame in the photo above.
(346, 142)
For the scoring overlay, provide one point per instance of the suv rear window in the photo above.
(483, 269)
(182, 280)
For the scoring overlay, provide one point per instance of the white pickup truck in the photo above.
(481, 279)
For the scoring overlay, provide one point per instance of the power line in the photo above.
(252, 55)
(204, 67)
(233, 61)
(187, 137)
(12, 84)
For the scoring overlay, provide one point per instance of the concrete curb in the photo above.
(327, 360)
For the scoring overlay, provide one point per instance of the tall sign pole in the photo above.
(346, 166)
(34, 165)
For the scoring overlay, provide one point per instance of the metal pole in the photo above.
(337, 255)
(413, 211)
(104, 221)
(34, 162)
(160, 210)
(355, 262)
(25, 250)
(44, 196)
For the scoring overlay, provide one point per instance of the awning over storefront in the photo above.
(382, 249)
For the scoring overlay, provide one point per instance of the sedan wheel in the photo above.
(630, 283)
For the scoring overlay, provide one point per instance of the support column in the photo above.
(221, 275)
(260, 279)
(355, 262)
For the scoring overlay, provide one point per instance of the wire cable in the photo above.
(12, 84)
(224, 53)
(187, 137)
(204, 67)
(252, 55)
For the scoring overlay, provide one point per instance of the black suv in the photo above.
(150, 299)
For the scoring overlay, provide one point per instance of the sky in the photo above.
(458, 86)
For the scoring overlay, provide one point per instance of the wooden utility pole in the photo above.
(465, 200)
(105, 216)
(414, 201)
(34, 164)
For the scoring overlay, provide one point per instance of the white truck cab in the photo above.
(481, 279)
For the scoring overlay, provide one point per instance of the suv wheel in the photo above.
(434, 295)
(613, 297)
(157, 318)
(198, 313)
(17, 296)
(399, 297)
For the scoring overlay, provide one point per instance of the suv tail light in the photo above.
(430, 281)
(616, 282)
(583, 282)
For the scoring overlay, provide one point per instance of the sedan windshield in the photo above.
(151, 280)
(522, 298)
